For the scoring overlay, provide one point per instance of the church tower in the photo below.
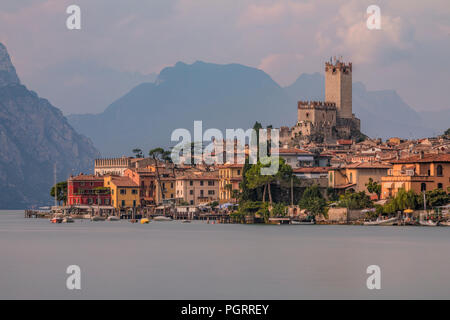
(338, 87)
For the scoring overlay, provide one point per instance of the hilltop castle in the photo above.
(329, 120)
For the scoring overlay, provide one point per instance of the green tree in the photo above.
(447, 132)
(256, 180)
(313, 201)
(61, 193)
(355, 200)
(138, 153)
(374, 187)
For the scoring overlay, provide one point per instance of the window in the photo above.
(191, 202)
(134, 203)
(423, 186)
(191, 191)
(211, 192)
(201, 193)
(90, 201)
(171, 195)
(123, 191)
(123, 203)
(439, 171)
(134, 191)
(351, 177)
(201, 182)
(164, 185)
(239, 172)
(331, 177)
(439, 185)
(191, 183)
(171, 185)
(106, 201)
(112, 191)
(211, 183)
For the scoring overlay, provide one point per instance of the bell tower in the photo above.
(338, 87)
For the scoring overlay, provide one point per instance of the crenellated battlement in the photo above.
(338, 65)
(315, 104)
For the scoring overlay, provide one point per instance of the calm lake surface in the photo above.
(173, 260)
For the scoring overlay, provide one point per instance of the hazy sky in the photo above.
(411, 52)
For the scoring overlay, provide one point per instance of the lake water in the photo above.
(173, 260)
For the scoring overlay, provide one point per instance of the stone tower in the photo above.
(338, 87)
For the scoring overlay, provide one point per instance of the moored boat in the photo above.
(298, 222)
(382, 222)
(113, 218)
(428, 223)
(56, 220)
(98, 218)
(162, 218)
(444, 223)
(144, 221)
(68, 220)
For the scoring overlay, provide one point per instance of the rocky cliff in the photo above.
(34, 135)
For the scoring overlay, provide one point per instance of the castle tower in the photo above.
(338, 87)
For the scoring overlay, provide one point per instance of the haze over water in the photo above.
(172, 260)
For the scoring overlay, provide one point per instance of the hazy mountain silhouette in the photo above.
(229, 96)
(34, 135)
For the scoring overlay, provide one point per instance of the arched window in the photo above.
(439, 171)
(423, 186)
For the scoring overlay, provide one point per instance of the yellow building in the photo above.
(168, 184)
(356, 175)
(418, 173)
(229, 175)
(124, 191)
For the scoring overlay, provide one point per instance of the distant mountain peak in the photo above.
(8, 73)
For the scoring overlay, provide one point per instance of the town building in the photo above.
(87, 190)
(124, 191)
(418, 173)
(145, 178)
(355, 176)
(230, 177)
(197, 187)
(117, 166)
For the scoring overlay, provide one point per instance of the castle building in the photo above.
(329, 120)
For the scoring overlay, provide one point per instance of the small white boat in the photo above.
(381, 222)
(428, 223)
(98, 218)
(113, 218)
(444, 223)
(186, 221)
(162, 218)
(68, 220)
(302, 222)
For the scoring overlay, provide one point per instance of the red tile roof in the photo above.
(312, 170)
(86, 177)
(123, 182)
(426, 158)
(293, 151)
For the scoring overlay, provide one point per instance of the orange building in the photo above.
(418, 173)
(229, 174)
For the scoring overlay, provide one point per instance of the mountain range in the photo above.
(231, 96)
(34, 136)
